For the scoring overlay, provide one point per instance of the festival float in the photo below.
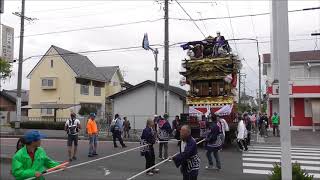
(210, 69)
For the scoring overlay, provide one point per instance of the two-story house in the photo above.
(304, 88)
(63, 81)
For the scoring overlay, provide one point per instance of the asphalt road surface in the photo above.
(235, 165)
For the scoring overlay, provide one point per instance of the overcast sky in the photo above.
(138, 64)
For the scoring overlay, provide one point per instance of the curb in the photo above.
(80, 138)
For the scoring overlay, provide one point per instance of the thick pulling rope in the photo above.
(87, 162)
(142, 172)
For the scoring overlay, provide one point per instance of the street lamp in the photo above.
(146, 46)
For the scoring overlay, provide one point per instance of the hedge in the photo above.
(41, 125)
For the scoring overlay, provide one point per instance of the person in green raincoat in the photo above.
(31, 160)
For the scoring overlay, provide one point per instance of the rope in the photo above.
(94, 160)
(142, 172)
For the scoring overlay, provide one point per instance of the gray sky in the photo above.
(138, 65)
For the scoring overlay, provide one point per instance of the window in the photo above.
(47, 83)
(115, 84)
(97, 91)
(84, 90)
(47, 112)
(51, 63)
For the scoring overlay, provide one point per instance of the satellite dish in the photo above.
(145, 42)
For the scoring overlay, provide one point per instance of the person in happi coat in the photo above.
(188, 159)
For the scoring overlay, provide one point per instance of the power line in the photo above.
(191, 19)
(94, 27)
(137, 48)
(246, 15)
(235, 44)
(62, 9)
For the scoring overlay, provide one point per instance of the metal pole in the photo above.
(239, 86)
(20, 66)
(282, 54)
(166, 54)
(259, 64)
(156, 81)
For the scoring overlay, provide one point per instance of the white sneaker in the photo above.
(155, 171)
(209, 167)
(150, 174)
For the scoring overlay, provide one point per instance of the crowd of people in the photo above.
(27, 163)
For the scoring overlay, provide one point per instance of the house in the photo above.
(138, 103)
(304, 88)
(63, 81)
(248, 100)
(8, 99)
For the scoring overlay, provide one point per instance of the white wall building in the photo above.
(304, 88)
(138, 103)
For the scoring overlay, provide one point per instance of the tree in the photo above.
(5, 69)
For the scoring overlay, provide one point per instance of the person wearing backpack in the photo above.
(214, 143)
(116, 129)
(72, 127)
(164, 131)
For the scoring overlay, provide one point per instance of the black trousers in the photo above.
(117, 135)
(190, 177)
(242, 144)
(248, 139)
(150, 158)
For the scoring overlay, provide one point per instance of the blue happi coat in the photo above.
(147, 137)
(188, 160)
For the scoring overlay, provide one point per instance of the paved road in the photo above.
(125, 165)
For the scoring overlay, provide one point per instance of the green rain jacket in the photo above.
(275, 120)
(23, 167)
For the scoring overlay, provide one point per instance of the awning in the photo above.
(50, 106)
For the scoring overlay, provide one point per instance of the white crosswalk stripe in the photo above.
(261, 159)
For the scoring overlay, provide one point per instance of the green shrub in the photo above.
(84, 110)
(41, 125)
(297, 173)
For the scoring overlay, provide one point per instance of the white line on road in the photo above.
(266, 172)
(255, 171)
(310, 168)
(278, 160)
(279, 150)
(294, 148)
(273, 152)
(278, 156)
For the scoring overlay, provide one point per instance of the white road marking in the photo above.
(255, 171)
(267, 172)
(278, 152)
(278, 156)
(278, 160)
(293, 148)
(310, 168)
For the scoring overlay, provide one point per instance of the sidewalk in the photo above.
(8, 132)
(298, 138)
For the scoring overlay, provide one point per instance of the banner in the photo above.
(7, 39)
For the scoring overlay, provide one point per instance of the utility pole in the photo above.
(22, 18)
(18, 103)
(259, 64)
(166, 54)
(280, 55)
(239, 89)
